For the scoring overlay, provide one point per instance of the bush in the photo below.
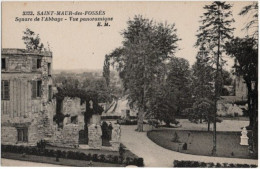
(77, 155)
(52, 153)
(72, 155)
(115, 159)
(89, 157)
(127, 122)
(177, 163)
(82, 156)
(140, 162)
(41, 144)
(34, 151)
(101, 158)
(95, 157)
(108, 158)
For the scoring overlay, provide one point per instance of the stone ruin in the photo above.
(68, 136)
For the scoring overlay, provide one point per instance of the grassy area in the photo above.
(235, 118)
(52, 160)
(201, 142)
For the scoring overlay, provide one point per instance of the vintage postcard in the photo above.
(129, 84)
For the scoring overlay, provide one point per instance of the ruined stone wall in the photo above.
(66, 137)
(73, 107)
(94, 136)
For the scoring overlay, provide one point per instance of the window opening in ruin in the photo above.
(49, 69)
(39, 61)
(34, 64)
(50, 93)
(74, 119)
(5, 90)
(3, 65)
(36, 88)
(22, 134)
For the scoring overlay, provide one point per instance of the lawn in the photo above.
(201, 142)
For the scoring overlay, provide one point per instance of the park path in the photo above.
(156, 156)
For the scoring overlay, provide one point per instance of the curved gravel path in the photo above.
(156, 156)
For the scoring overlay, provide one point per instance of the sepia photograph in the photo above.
(129, 84)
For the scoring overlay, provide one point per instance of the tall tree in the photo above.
(246, 56)
(146, 45)
(179, 83)
(106, 70)
(252, 25)
(32, 41)
(214, 31)
(203, 95)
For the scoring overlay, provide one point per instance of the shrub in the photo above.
(82, 156)
(126, 161)
(51, 153)
(64, 154)
(109, 158)
(88, 157)
(34, 151)
(58, 153)
(177, 163)
(101, 158)
(77, 155)
(41, 144)
(71, 155)
(95, 157)
(46, 152)
(115, 159)
(20, 149)
(140, 162)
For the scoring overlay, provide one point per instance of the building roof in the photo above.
(15, 51)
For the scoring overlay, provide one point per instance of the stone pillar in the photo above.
(94, 136)
(95, 119)
(116, 134)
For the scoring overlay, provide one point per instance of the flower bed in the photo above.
(196, 164)
(114, 159)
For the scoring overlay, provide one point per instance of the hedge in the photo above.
(196, 164)
(115, 117)
(76, 155)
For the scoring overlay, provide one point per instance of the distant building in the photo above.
(226, 105)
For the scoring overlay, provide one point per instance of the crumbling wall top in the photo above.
(15, 51)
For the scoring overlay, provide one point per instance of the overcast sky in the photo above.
(83, 45)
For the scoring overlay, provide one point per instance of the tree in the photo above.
(163, 106)
(32, 41)
(246, 64)
(214, 31)
(146, 46)
(252, 25)
(202, 93)
(106, 70)
(179, 83)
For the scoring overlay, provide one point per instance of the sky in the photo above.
(83, 45)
